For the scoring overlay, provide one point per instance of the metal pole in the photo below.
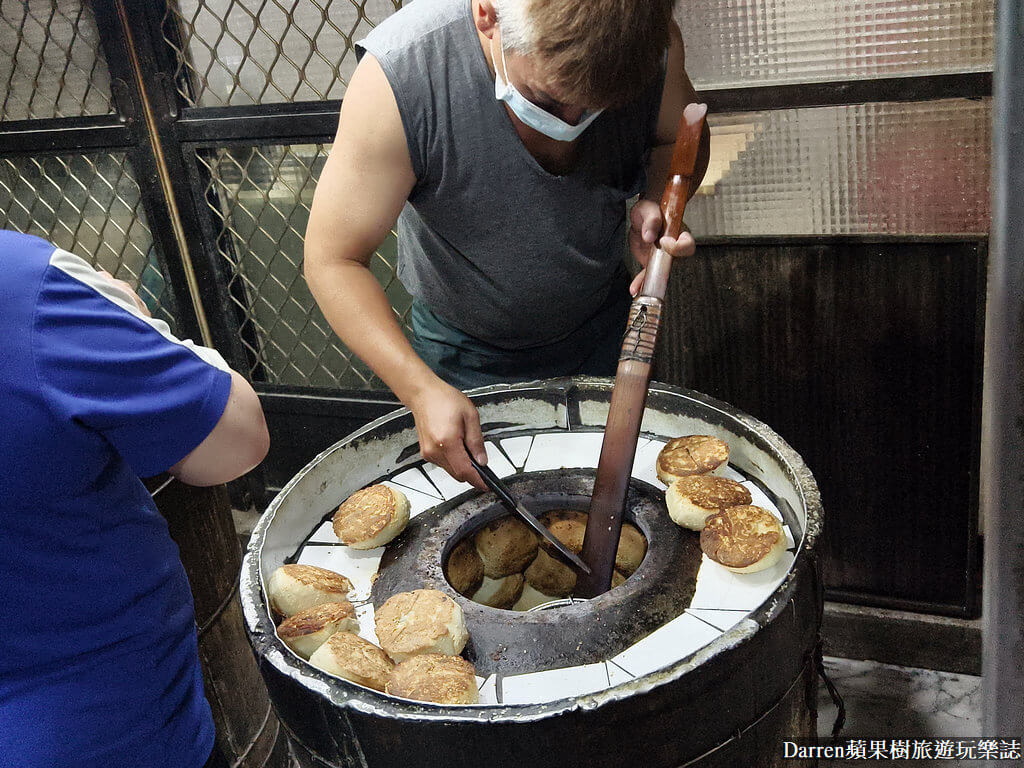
(1002, 453)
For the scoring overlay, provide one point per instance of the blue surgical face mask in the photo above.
(539, 119)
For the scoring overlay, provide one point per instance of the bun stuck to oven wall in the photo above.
(421, 621)
(691, 455)
(293, 588)
(550, 576)
(691, 499)
(500, 593)
(349, 656)
(309, 629)
(371, 517)
(568, 526)
(464, 569)
(435, 677)
(631, 550)
(744, 539)
(505, 546)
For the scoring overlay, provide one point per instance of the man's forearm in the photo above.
(359, 312)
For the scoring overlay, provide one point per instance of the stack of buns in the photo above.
(691, 499)
(320, 625)
(294, 588)
(743, 539)
(506, 565)
(691, 455)
(734, 534)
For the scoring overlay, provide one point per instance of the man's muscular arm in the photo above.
(365, 182)
(645, 218)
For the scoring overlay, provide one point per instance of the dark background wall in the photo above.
(865, 356)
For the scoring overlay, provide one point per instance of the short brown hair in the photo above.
(602, 53)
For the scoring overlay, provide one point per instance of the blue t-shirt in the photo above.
(98, 657)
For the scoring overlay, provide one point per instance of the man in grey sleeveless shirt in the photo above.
(505, 137)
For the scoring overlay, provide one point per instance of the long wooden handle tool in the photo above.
(615, 466)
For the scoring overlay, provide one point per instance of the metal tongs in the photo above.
(495, 484)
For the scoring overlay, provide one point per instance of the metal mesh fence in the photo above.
(50, 61)
(263, 199)
(265, 51)
(91, 206)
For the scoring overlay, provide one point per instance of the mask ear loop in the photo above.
(504, 66)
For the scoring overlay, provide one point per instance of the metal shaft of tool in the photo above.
(505, 496)
(614, 468)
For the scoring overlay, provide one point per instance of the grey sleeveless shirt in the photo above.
(495, 245)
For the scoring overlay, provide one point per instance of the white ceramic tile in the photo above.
(759, 499)
(325, 532)
(553, 684)
(517, 448)
(488, 689)
(497, 462)
(723, 619)
(417, 481)
(418, 502)
(555, 450)
(644, 461)
(367, 628)
(666, 645)
(446, 484)
(720, 588)
(358, 565)
(732, 474)
(617, 675)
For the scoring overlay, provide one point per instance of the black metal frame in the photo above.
(162, 136)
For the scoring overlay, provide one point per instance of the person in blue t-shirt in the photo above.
(98, 658)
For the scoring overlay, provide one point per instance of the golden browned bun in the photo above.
(631, 551)
(347, 655)
(434, 677)
(744, 539)
(309, 629)
(568, 526)
(691, 499)
(421, 621)
(691, 455)
(464, 569)
(550, 576)
(371, 517)
(293, 588)
(506, 546)
(499, 593)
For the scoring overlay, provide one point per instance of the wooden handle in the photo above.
(673, 201)
(684, 160)
(634, 372)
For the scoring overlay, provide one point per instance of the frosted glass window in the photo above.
(755, 42)
(911, 168)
